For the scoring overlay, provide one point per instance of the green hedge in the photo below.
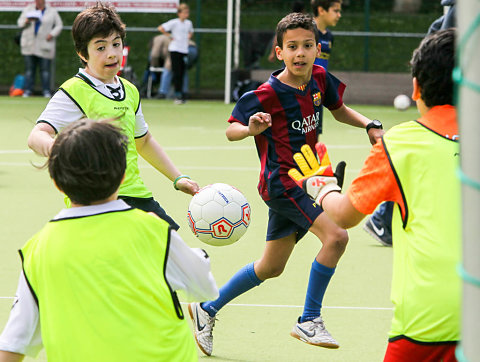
(384, 54)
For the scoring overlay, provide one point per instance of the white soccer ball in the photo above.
(219, 214)
(402, 102)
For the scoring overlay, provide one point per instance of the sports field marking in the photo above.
(188, 167)
(202, 148)
(284, 306)
(301, 306)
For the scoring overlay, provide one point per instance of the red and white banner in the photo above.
(125, 6)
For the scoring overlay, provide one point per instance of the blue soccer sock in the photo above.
(244, 280)
(320, 276)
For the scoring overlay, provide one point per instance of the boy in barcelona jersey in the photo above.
(281, 116)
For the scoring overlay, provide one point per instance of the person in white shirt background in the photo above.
(181, 31)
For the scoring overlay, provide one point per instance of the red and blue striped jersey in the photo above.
(296, 120)
(326, 42)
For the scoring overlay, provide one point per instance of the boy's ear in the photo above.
(82, 57)
(278, 52)
(417, 91)
(319, 49)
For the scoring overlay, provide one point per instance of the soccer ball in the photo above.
(401, 102)
(219, 214)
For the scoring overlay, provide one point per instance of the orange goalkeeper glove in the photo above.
(316, 179)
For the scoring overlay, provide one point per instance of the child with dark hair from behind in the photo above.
(103, 268)
(414, 167)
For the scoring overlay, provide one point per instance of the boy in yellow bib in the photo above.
(96, 92)
(414, 165)
(99, 280)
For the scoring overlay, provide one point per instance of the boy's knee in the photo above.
(276, 271)
(338, 239)
(270, 271)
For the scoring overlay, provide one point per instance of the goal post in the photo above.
(467, 78)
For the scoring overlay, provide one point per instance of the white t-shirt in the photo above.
(187, 270)
(180, 31)
(61, 110)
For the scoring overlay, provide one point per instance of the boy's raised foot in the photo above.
(203, 326)
(314, 332)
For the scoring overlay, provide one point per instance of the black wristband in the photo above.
(374, 124)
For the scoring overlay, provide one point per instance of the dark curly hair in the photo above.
(295, 21)
(325, 4)
(432, 64)
(88, 160)
(100, 20)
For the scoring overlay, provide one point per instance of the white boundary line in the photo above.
(183, 167)
(283, 306)
(203, 148)
(301, 306)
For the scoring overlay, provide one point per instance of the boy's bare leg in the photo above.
(310, 327)
(333, 238)
(274, 257)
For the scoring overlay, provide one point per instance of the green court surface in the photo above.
(255, 326)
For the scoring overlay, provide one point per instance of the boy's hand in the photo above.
(375, 134)
(258, 123)
(316, 179)
(188, 186)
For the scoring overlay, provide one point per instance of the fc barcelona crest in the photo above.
(317, 99)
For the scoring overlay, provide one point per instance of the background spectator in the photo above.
(180, 30)
(41, 26)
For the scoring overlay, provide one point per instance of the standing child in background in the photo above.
(181, 31)
(99, 280)
(282, 115)
(96, 92)
(326, 13)
(414, 167)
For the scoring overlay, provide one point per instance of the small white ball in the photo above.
(402, 102)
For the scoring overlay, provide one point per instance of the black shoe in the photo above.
(379, 231)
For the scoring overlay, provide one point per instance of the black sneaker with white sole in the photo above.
(380, 232)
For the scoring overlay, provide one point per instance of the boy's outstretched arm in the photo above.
(323, 185)
(350, 116)
(341, 210)
(154, 154)
(41, 139)
(257, 123)
(10, 357)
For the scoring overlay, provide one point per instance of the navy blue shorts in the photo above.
(150, 205)
(293, 211)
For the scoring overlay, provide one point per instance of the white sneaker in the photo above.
(314, 332)
(203, 325)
